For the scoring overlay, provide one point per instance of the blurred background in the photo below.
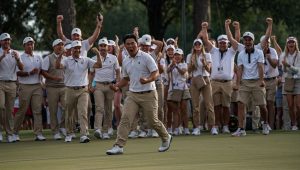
(159, 18)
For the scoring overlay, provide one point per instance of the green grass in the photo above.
(279, 150)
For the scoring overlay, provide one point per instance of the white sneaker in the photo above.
(294, 128)
(196, 132)
(214, 131)
(265, 129)
(142, 134)
(154, 134)
(68, 138)
(170, 131)
(105, 136)
(63, 131)
(1, 137)
(84, 139)
(57, 137)
(133, 134)
(116, 150)
(10, 139)
(225, 129)
(17, 137)
(269, 127)
(98, 134)
(40, 137)
(110, 131)
(165, 145)
(187, 131)
(176, 132)
(239, 132)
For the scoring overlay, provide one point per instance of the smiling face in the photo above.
(29, 47)
(76, 51)
(177, 58)
(248, 42)
(5, 44)
(223, 45)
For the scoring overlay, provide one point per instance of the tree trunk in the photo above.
(67, 9)
(155, 20)
(201, 13)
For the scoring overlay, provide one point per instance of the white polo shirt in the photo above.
(250, 70)
(30, 62)
(222, 68)
(200, 71)
(142, 65)
(76, 70)
(107, 72)
(8, 66)
(178, 81)
(85, 46)
(162, 62)
(269, 71)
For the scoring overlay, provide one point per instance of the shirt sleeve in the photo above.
(151, 64)
(91, 62)
(208, 57)
(261, 58)
(240, 60)
(86, 45)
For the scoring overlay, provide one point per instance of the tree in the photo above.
(67, 9)
(201, 13)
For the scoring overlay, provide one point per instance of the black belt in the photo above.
(222, 81)
(8, 81)
(143, 92)
(271, 78)
(104, 83)
(77, 87)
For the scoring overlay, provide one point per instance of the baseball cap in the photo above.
(249, 34)
(76, 43)
(170, 46)
(4, 36)
(103, 41)
(178, 51)
(111, 42)
(222, 38)
(198, 40)
(57, 41)
(146, 39)
(28, 39)
(170, 39)
(291, 39)
(68, 46)
(76, 31)
(263, 37)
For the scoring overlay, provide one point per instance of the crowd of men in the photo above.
(150, 84)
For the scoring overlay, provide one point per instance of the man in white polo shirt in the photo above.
(9, 61)
(141, 70)
(104, 77)
(76, 34)
(222, 74)
(77, 96)
(30, 93)
(55, 87)
(250, 82)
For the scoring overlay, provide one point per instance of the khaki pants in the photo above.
(77, 99)
(103, 106)
(148, 103)
(56, 95)
(160, 93)
(7, 99)
(206, 92)
(30, 94)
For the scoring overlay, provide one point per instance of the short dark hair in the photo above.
(128, 36)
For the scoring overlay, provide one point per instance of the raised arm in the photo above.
(159, 46)
(59, 29)
(98, 64)
(276, 45)
(237, 31)
(233, 42)
(93, 38)
(268, 32)
(203, 33)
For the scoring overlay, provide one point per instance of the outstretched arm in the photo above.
(233, 42)
(203, 33)
(59, 29)
(237, 31)
(93, 38)
(268, 32)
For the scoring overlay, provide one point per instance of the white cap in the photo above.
(263, 37)
(178, 51)
(4, 36)
(103, 41)
(111, 42)
(222, 38)
(249, 34)
(153, 46)
(170, 46)
(198, 40)
(68, 46)
(76, 31)
(76, 43)
(146, 39)
(170, 39)
(57, 41)
(28, 39)
(291, 39)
